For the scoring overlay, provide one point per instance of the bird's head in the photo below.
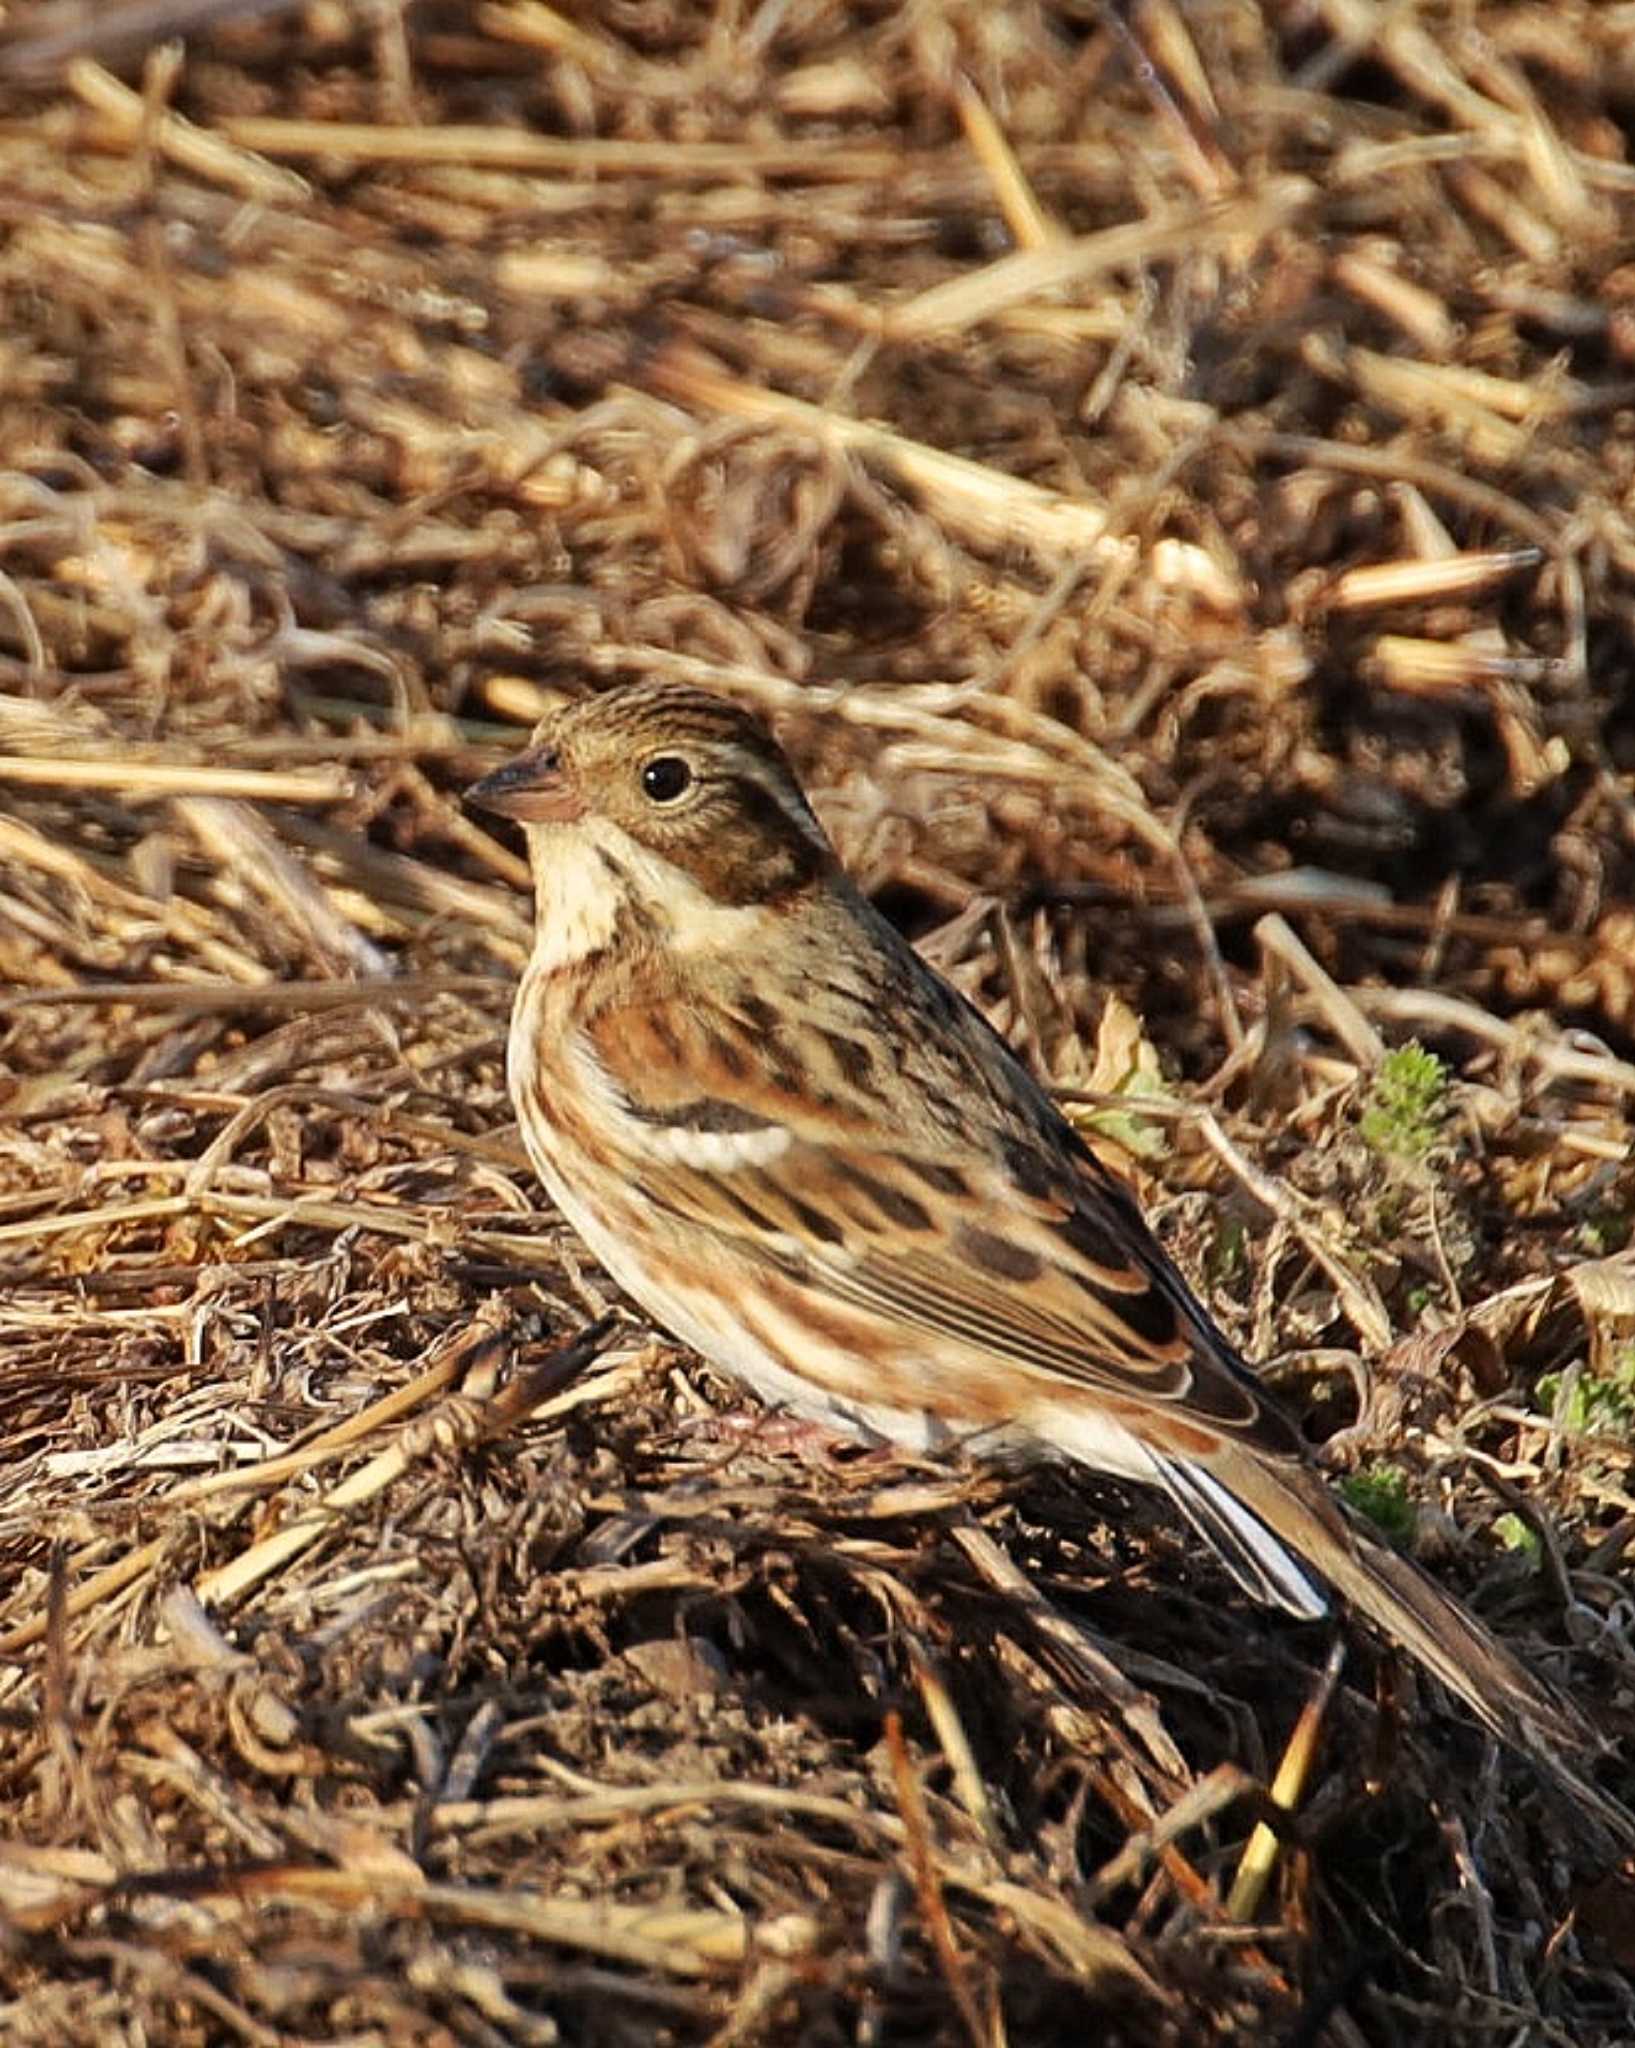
(665, 787)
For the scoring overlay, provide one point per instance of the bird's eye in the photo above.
(666, 777)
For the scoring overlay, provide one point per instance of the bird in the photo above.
(808, 1157)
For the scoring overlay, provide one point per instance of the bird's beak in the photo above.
(530, 788)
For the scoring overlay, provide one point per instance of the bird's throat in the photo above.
(580, 896)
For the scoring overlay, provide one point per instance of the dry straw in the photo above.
(1164, 471)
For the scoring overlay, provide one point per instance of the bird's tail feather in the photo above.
(1413, 1611)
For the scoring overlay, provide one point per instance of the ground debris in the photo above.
(1166, 474)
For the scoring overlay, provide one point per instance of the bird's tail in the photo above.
(1414, 1612)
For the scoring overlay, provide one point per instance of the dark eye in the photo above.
(666, 777)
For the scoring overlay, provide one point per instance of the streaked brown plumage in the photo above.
(811, 1159)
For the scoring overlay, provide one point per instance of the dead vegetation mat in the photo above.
(1166, 471)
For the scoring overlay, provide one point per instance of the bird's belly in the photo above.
(825, 1387)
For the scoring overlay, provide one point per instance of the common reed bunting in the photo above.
(809, 1158)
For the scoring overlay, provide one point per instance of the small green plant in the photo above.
(1229, 1254)
(1125, 1065)
(1594, 1403)
(1517, 1535)
(1605, 1232)
(1381, 1493)
(1407, 1105)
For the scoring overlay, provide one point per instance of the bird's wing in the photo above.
(991, 1230)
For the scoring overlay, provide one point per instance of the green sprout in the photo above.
(1605, 1232)
(1407, 1105)
(1595, 1403)
(1229, 1254)
(1380, 1492)
(1519, 1536)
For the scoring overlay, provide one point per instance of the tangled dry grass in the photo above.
(1167, 471)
